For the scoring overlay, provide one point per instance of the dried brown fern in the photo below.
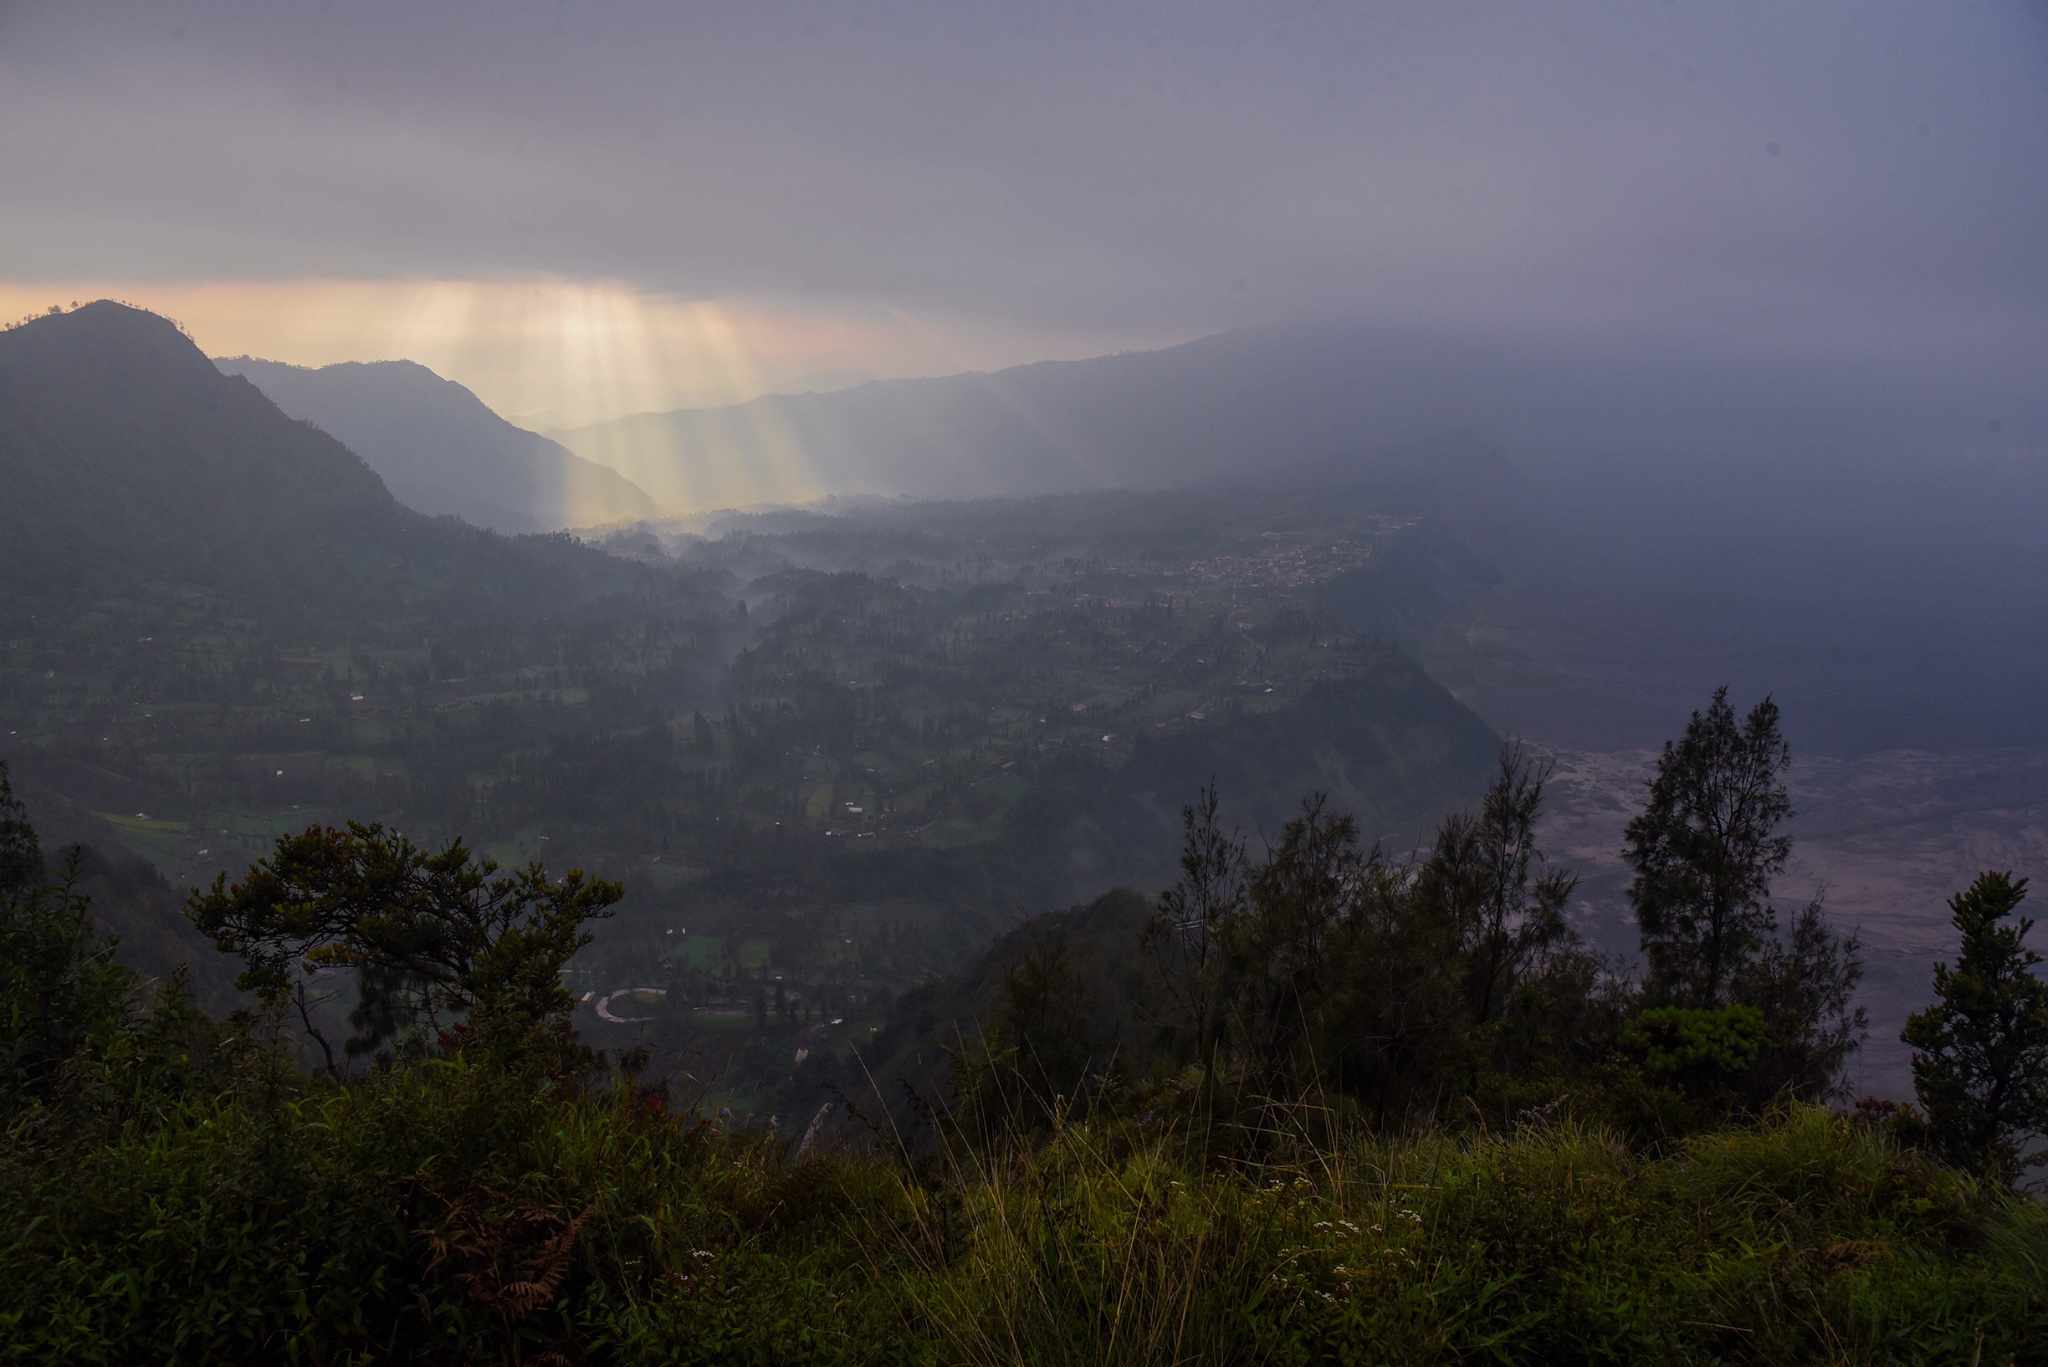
(483, 1248)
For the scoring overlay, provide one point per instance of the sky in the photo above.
(586, 209)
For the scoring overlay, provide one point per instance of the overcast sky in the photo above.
(895, 187)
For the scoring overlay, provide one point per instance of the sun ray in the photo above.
(563, 356)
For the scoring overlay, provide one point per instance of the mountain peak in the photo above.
(137, 471)
(104, 339)
(127, 453)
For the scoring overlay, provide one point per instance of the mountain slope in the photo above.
(1148, 419)
(442, 452)
(1248, 403)
(130, 463)
(126, 453)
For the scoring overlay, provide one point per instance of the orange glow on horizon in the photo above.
(554, 354)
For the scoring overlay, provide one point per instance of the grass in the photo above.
(451, 1214)
(1802, 1241)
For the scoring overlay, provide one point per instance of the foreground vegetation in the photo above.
(453, 1213)
(1323, 1107)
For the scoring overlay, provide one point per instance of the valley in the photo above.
(832, 751)
(931, 685)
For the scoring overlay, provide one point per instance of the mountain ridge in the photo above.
(442, 451)
(1254, 401)
(183, 446)
(136, 466)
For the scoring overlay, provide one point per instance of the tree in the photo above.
(1313, 901)
(1487, 878)
(61, 991)
(1980, 1053)
(1252, 959)
(60, 987)
(433, 938)
(1325, 964)
(1705, 849)
(21, 857)
(1187, 931)
(1029, 1065)
(76, 1025)
(1805, 986)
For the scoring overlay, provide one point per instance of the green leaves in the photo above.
(434, 938)
(63, 999)
(1980, 1065)
(1705, 848)
(1326, 964)
(85, 1045)
(1676, 1041)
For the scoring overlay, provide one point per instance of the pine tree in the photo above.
(1980, 1061)
(1705, 850)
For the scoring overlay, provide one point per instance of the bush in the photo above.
(1796, 1241)
(453, 1212)
(448, 1213)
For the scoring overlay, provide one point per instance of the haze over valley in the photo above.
(1541, 598)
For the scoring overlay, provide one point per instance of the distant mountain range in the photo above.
(1252, 402)
(131, 464)
(442, 452)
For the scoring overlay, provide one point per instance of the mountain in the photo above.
(133, 466)
(212, 610)
(1254, 401)
(442, 452)
(125, 453)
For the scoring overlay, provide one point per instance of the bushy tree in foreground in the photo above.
(59, 984)
(1027, 1068)
(60, 989)
(434, 939)
(1326, 964)
(1186, 936)
(1705, 848)
(1738, 1011)
(1489, 882)
(1980, 1060)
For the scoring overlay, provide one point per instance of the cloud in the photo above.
(1835, 175)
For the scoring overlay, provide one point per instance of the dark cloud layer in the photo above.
(1857, 175)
